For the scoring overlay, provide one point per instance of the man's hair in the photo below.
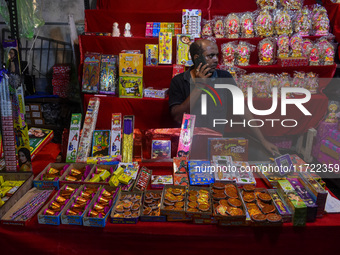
(196, 48)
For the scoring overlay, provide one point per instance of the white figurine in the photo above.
(115, 30)
(127, 32)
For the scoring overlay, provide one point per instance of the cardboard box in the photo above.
(22, 190)
(200, 217)
(306, 197)
(6, 219)
(39, 183)
(174, 215)
(280, 205)
(229, 220)
(152, 218)
(258, 202)
(77, 166)
(237, 148)
(200, 172)
(35, 107)
(37, 115)
(295, 203)
(109, 168)
(159, 181)
(130, 87)
(39, 137)
(119, 220)
(77, 219)
(55, 219)
(318, 193)
(130, 65)
(330, 149)
(100, 222)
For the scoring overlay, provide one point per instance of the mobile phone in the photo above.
(200, 59)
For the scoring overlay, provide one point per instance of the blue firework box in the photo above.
(200, 172)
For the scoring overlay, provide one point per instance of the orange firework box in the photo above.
(237, 148)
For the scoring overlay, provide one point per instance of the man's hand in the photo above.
(270, 147)
(202, 72)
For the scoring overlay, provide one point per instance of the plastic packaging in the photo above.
(228, 53)
(303, 22)
(306, 47)
(320, 20)
(283, 46)
(296, 45)
(266, 50)
(218, 26)
(314, 55)
(243, 53)
(261, 88)
(283, 22)
(245, 81)
(312, 83)
(264, 24)
(266, 4)
(247, 25)
(232, 26)
(299, 80)
(292, 4)
(327, 52)
(284, 80)
(234, 71)
(207, 26)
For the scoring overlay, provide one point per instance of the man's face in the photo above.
(211, 55)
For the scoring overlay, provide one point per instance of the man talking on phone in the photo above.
(186, 90)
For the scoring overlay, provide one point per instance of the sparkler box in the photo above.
(101, 222)
(55, 219)
(38, 182)
(6, 219)
(27, 177)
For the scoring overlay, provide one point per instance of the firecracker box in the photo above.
(284, 142)
(281, 205)
(130, 65)
(116, 219)
(154, 216)
(131, 87)
(100, 180)
(27, 197)
(77, 219)
(191, 22)
(200, 172)
(156, 93)
(235, 147)
(40, 183)
(322, 133)
(318, 193)
(228, 220)
(207, 216)
(55, 219)
(86, 168)
(326, 159)
(175, 215)
(293, 61)
(295, 203)
(334, 137)
(330, 149)
(159, 181)
(26, 186)
(101, 222)
(306, 197)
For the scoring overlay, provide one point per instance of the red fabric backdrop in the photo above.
(153, 113)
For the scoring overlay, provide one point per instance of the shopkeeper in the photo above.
(186, 90)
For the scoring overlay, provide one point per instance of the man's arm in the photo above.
(178, 110)
(257, 132)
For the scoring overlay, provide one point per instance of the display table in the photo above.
(171, 237)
